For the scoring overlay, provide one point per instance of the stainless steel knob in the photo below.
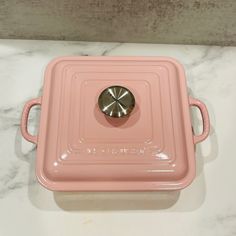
(116, 101)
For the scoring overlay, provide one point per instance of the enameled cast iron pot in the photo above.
(83, 147)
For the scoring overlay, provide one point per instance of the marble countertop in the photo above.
(206, 207)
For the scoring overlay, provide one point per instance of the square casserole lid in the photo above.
(80, 149)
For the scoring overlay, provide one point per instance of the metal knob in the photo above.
(116, 101)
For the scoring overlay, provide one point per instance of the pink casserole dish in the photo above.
(80, 149)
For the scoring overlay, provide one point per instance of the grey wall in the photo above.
(161, 21)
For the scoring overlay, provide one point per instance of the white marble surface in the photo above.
(207, 207)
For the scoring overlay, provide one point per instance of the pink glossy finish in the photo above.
(80, 149)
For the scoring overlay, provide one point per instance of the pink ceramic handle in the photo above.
(205, 118)
(24, 120)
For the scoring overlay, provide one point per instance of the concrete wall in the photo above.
(157, 21)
